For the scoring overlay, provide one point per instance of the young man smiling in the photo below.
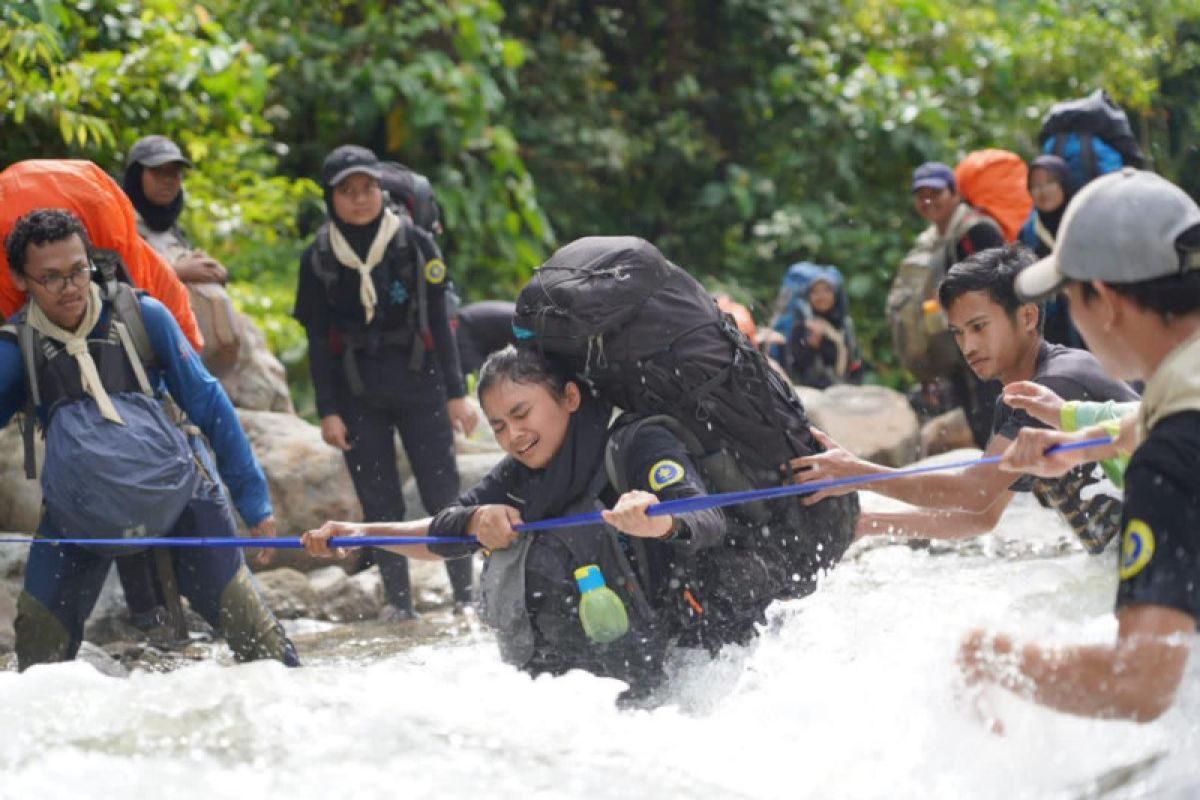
(1000, 339)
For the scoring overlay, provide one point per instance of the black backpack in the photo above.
(649, 338)
(1096, 116)
(413, 192)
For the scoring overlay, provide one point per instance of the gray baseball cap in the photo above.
(1120, 228)
(154, 151)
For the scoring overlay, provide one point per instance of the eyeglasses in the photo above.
(57, 284)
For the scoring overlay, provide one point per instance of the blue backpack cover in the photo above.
(105, 480)
(1103, 158)
(1092, 134)
(791, 303)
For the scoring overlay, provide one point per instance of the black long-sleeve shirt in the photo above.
(323, 311)
(655, 461)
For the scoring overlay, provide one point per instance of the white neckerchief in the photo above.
(346, 256)
(77, 345)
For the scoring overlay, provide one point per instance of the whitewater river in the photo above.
(852, 693)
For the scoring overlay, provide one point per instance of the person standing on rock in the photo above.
(371, 296)
(1001, 339)
(92, 365)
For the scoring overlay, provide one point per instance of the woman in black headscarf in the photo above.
(1052, 187)
(371, 296)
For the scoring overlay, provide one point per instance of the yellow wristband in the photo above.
(1068, 416)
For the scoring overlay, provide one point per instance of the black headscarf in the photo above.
(158, 218)
(1057, 167)
(566, 477)
(359, 237)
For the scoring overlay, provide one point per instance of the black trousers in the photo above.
(413, 404)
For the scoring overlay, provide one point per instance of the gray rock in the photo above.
(288, 593)
(257, 381)
(101, 660)
(873, 422)
(344, 598)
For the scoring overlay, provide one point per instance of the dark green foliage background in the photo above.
(739, 136)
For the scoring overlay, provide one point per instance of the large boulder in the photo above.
(20, 498)
(257, 381)
(308, 479)
(873, 422)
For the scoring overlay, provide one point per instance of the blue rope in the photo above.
(683, 505)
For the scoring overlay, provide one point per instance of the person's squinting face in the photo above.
(162, 184)
(56, 276)
(990, 341)
(357, 199)
(1047, 192)
(530, 423)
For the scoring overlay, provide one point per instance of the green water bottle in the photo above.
(600, 610)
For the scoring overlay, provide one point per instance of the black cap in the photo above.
(347, 160)
(154, 151)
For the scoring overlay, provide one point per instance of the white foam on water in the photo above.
(851, 693)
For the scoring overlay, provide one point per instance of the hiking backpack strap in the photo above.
(1087, 156)
(424, 340)
(720, 470)
(31, 352)
(126, 306)
(623, 432)
(321, 259)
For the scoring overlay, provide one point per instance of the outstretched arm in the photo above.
(316, 542)
(974, 489)
(1136, 678)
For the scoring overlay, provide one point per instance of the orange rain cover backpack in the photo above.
(111, 223)
(996, 182)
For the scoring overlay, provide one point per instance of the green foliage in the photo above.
(742, 136)
(738, 135)
(425, 82)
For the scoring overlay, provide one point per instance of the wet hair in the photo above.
(40, 227)
(521, 365)
(993, 271)
(1169, 297)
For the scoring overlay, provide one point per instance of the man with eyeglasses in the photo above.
(115, 464)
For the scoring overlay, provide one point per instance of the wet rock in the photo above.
(873, 422)
(20, 498)
(288, 593)
(346, 598)
(946, 432)
(101, 660)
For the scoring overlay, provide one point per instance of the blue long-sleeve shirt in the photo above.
(181, 373)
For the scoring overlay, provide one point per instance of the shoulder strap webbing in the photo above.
(28, 344)
(1087, 156)
(421, 341)
(125, 303)
(624, 431)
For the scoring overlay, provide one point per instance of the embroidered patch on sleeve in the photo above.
(435, 271)
(665, 473)
(1137, 548)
